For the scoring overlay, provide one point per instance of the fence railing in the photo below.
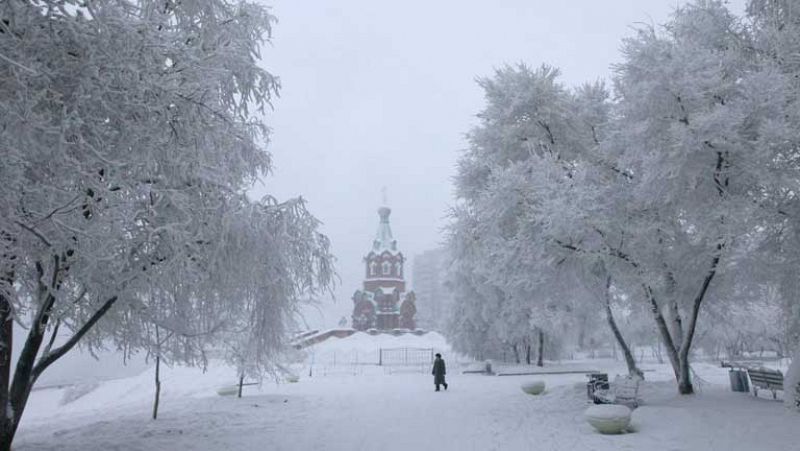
(405, 356)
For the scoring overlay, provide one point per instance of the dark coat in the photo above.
(438, 371)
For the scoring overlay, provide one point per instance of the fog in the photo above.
(625, 239)
(381, 94)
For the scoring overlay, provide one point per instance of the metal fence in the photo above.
(405, 356)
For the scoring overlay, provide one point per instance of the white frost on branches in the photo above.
(129, 132)
(677, 187)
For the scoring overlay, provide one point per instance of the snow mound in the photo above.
(365, 342)
(533, 387)
(609, 418)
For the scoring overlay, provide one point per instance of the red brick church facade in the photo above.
(383, 303)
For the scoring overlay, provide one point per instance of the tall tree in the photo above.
(130, 131)
(689, 175)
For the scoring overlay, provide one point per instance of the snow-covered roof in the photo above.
(384, 241)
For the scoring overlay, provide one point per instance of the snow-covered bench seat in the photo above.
(767, 379)
(624, 390)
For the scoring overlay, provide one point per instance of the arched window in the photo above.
(387, 268)
(373, 269)
(398, 269)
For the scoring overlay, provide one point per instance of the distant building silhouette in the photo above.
(434, 297)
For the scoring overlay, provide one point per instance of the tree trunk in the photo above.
(241, 382)
(679, 357)
(25, 372)
(6, 346)
(684, 378)
(633, 370)
(675, 321)
(657, 352)
(663, 330)
(528, 353)
(158, 387)
(516, 353)
(27, 369)
(540, 356)
(582, 332)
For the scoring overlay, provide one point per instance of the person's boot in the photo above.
(437, 388)
(445, 387)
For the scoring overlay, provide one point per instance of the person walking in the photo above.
(438, 372)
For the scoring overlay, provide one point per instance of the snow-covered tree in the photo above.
(698, 117)
(689, 177)
(519, 182)
(130, 131)
(298, 266)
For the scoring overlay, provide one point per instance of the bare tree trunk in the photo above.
(158, 386)
(663, 330)
(582, 332)
(27, 369)
(633, 370)
(676, 323)
(673, 313)
(6, 347)
(657, 352)
(679, 356)
(241, 382)
(684, 380)
(6, 327)
(516, 353)
(528, 353)
(540, 356)
(25, 373)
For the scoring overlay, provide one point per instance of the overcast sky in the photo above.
(380, 93)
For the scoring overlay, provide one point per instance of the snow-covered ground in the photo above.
(396, 410)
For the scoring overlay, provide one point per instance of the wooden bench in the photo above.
(767, 379)
(624, 390)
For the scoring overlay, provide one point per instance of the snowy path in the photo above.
(336, 412)
(401, 412)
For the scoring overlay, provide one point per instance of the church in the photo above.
(383, 303)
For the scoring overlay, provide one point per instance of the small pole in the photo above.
(158, 388)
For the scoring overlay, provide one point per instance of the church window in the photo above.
(387, 268)
(373, 269)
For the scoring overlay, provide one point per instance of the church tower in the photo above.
(383, 303)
